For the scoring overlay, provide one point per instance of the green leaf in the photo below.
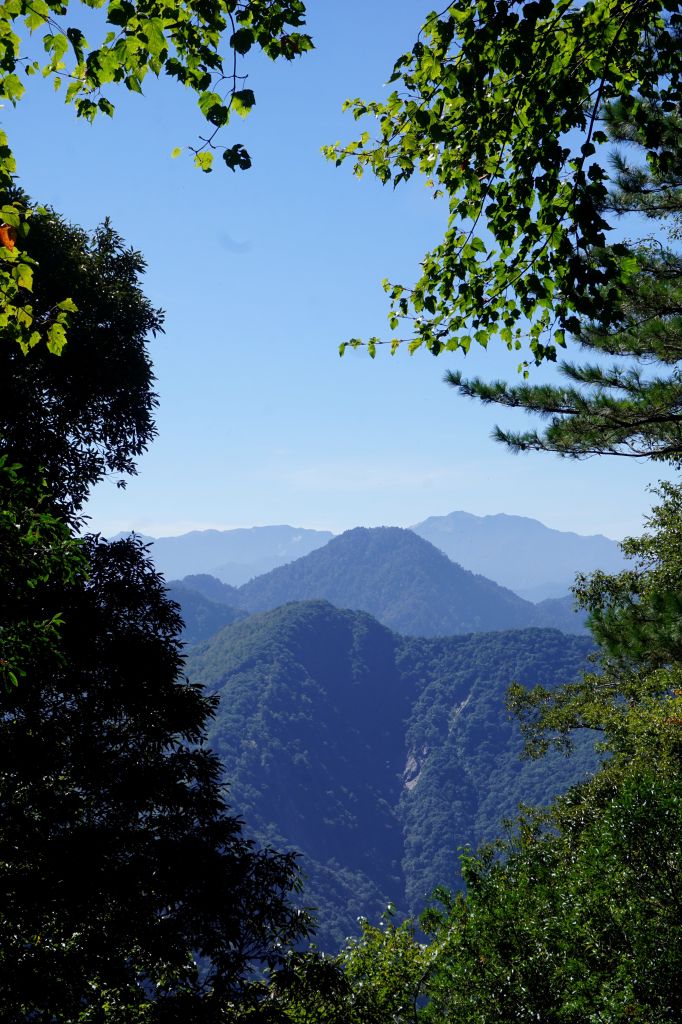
(68, 306)
(218, 115)
(207, 100)
(153, 31)
(57, 45)
(10, 215)
(204, 161)
(242, 101)
(56, 339)
(73, 89)
(23, 275)
(12, 88)
(78, 42)
(37, 15)
(134, 84)
(120, 12)
(175, 153)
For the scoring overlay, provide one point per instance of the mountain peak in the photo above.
(397, 576)
(534, 560)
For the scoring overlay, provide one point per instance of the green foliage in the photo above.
(37, 553)
(72, 420)
(577, 914)
(635, 616)
(198, 44)
(385, 968)
(308, 989)
(499, 105)
(128, 890)
(627, 401)
(376, 978)
(580, 919)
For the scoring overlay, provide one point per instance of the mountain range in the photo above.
(403, 581)
(516, 552)
(399, 578)
(522, 554)
(232, 556)
(362, 716)
(376, 756)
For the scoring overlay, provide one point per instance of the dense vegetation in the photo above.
(405, 582)
(576, 915)
(129, 891)
(201, 616)
(375, 755)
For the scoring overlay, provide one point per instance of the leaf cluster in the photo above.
(89, 413)
(197, 43)
(500, 106)
(626, 399)
(37, 551)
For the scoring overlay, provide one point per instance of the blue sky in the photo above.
(262, 274)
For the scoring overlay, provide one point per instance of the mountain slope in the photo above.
(375, 755)
(202, 617)
(310, 731)
(533, 560)
(396, 576)
(210, 587)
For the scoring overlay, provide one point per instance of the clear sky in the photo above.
(262, 274)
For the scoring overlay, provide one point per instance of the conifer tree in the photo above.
(626, 399)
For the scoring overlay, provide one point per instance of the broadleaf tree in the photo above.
(499, 106)
(129, 892)
(69, 421)
(200, 45)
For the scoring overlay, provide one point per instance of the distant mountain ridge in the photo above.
(516, 552)
(533, 560)
(376, 755)
(232, 556)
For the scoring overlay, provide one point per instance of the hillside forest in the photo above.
(364, 785)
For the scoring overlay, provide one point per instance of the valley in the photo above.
(362, 718)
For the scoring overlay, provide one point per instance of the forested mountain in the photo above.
(405, 582)
(520, 553)
(202, 617)
(376, 755)
(212, 588)
(233, 556)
